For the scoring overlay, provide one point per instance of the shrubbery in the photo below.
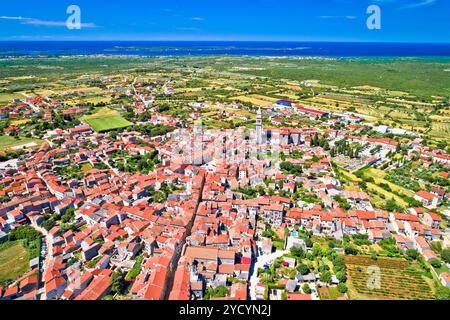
(30, 238)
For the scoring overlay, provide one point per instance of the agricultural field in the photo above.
(7, 142)
(97, 99)
(14, 261)
(20, 122)
(329, 293)
(8, 97)
(86, 167)
(416, 76)
(378, 175)
(378, 195)
(106, 119)
(399, 280)
(256, 99)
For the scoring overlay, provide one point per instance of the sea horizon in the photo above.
(237, 48)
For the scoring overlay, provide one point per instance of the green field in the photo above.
(106, 119)
(379, 175)
(14, 261)
(399, 279)
(331, 293)
(419, 76)
(8, 97)
(7, 142)
(376, 200)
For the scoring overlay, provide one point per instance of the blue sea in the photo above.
(179, 48)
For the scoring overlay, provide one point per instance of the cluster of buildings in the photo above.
(204, 232)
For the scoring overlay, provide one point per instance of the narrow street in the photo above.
(47, 258)
(260, 262)
(114, 170)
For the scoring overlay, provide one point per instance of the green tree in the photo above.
(436, 246)
(392, 206)
(436, 263)
(48, 224)
(266, 293)
(218, 292)
(413, 254)
(117, 282)
(303, 269)
(342, 288)
(24, 233)
(442, 293)
(351, 250)
(325, 277)
(297, 252)
(306, 288)
(445, 255)
(68, 215)
(317, 250)
(342, 277)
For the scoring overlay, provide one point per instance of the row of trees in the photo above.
(30, 238)
(345, 148)
(317, 141)
(290, 168)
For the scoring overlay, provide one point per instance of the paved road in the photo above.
(114, 170)
(314, 293)
(32, 106)
(51, 144)
(48, 241)
(48, 256)
(260, 262)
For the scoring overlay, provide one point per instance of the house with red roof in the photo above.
(431, 219)
(444, 277)
(427, 199)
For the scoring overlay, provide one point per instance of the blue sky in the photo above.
(274, 20)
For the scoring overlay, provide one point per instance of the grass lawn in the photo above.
(279, 245)
(8, 97)
(20, 122)
(14, 261)
(86, 167)
(350, 177)
(331, 293)
(7, 142)
(443, 268)
(106, 119)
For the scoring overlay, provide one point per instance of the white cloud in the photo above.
(14, 18)
(415, 4)
(197, 19)
(188, 29)
(46, 23)
(339, 17)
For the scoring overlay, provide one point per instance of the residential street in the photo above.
(48, 255)
(260, 262)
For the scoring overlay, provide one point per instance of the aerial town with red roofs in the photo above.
(142, 185)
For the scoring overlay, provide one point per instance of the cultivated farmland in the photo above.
(8, 142)
(13, 261)
(399, 279)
